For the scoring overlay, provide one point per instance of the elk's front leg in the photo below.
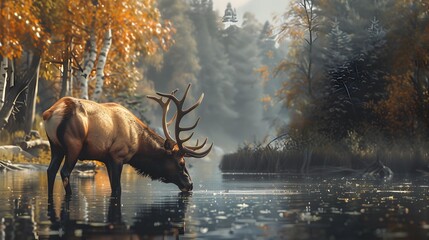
(114, 168)
(119, 153)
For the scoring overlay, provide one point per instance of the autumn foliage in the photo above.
(61, 29)
(356, 74)
(19, 26)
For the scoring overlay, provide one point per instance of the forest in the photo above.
(355, 84)
(327, 83)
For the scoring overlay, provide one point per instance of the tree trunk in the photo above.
(3, 79)
(30, 111)
(83, 77)
(33, 144)
(65, 77)
(18, 88)
(11, 73)
(70, 73)
(102, 57)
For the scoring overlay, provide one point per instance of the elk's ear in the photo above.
(169, 145)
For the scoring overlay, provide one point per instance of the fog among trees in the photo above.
(353, 73)
(224, 62)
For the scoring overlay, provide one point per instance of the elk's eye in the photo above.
(170, 165)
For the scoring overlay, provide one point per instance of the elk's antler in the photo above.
(165, 106)
(186, 150)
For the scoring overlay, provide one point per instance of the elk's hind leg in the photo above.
(73, 151)
(57, 156)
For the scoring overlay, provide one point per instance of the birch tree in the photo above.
(102, 58)
(55, 33)
(21, 32)
(3, 79)
(135, 30)
(89, 65)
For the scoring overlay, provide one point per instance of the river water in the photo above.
(222, 206)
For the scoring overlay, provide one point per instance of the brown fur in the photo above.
(85, 130)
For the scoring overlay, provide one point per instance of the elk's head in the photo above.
(174, 166)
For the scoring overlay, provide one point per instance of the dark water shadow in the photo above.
(20, 223)
(160, 219)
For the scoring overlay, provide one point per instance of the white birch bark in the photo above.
(70, 69)
(70, 81)
(102, 57)
(85, 57)
(83, 77)
(3, 79)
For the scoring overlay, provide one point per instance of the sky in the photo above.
(263, 9)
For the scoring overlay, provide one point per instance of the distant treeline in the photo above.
(326, 158)
(355, 84)
(225, 61)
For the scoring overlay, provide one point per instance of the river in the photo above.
(222, 206)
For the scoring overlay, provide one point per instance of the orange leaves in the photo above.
(60, 29)
(399, 108)
(19, 26)
(264, 72)
(267, 100)
(299, 30)
(136, 26)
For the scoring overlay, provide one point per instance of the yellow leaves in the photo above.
(267, 100)
(264, 72)
(61, 28)
(19, 26)
(136, 26)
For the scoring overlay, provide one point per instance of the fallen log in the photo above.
(7, 165)
(8, 150)
(34, 143)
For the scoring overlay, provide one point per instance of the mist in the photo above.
(222, 61)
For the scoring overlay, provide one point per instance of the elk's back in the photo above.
(98, 127)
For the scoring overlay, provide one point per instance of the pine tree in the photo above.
(180, 64)
(215, 78)
(271, 55)
(354, 81)
(338, 104)
(244, 56)
(339, 49)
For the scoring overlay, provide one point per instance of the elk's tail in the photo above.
(56, 118)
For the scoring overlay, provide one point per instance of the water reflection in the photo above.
(20, 224)
(164, 218)
(229, 206)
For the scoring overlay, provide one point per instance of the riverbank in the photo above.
(281, 160)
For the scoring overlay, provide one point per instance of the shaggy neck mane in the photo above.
(150, 152)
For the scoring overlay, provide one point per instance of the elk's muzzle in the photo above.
(187, 188)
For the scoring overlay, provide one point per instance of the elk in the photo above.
(108, 132)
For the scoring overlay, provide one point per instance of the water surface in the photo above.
(222, 206)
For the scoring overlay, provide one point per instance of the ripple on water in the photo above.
(232, 206)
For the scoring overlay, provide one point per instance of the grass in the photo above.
(400, 157)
